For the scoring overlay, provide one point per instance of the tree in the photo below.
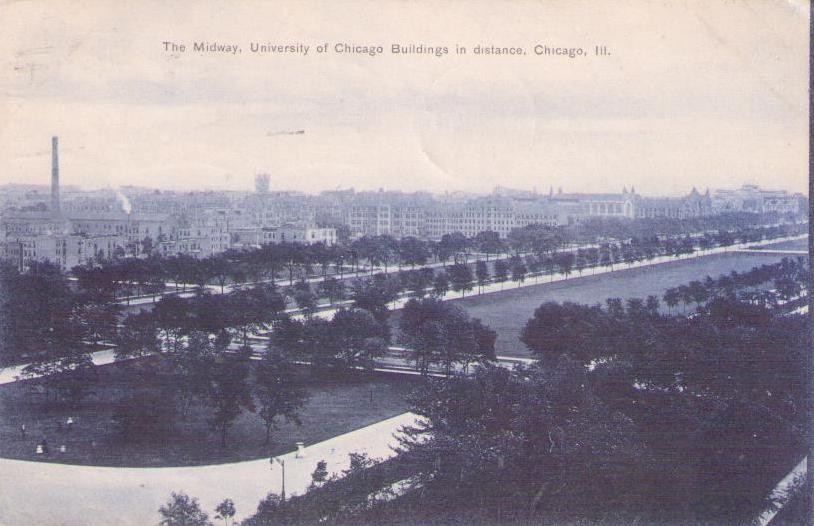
(98, 320)
(304, 297)
(556, 330)
(440, 285)
(373, 295)
(226, 511)
(453, 245)
(534, 264)
(439, 332)
(228, 393)
(519, 269)
(787, 287)
(254, 308)
(482, 273)
(138, 336)
(39, 315)
(356, 338)
(385, 248)
(333, 289)
(182, 510)
(413, 251)
(320, 475)
(489, 242)
(287, 337)
(172, 316)
(671, 298)
(221, 269)
(652, 305)
(697, 292)
(460, 277)
(606, 256)
(581, 260)
(417, 281)
(565, 260)
(615, 307)
(501, 271)
(277, 391)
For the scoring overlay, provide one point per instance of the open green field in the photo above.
(507, 312)
(335, 407)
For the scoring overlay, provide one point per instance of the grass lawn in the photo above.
(335, 407)
(507, 312)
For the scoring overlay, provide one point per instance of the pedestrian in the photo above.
(22, 431)
(69, 423)
(44, 446)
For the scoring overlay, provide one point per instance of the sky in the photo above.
(696, 93)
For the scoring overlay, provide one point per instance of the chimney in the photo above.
(55, 176)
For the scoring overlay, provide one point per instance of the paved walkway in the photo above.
(781, 491)
(775, 251)
(12, 374)
(45, 494)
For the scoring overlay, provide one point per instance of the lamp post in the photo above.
(282, 464)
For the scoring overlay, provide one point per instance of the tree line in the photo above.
(127, 276)
(788, 278)
(88, 312)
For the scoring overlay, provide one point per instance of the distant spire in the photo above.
(632, 189)
(624, 189)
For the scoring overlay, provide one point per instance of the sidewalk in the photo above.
(12, 374)
(48, 494)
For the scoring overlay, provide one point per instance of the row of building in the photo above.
(507, 209)
(71, 226)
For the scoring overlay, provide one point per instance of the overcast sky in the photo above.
(707, 94)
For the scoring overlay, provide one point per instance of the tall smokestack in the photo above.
(55, 176)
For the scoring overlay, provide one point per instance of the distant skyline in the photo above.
(704, 94)
(72, 187)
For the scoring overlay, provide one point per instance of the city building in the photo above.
(692, 205)
(752, 198)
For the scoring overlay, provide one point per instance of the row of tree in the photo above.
(126, 276)
(788, 278)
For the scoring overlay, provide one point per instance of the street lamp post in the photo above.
(282, 464)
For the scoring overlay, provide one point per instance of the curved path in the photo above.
(47, 494)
